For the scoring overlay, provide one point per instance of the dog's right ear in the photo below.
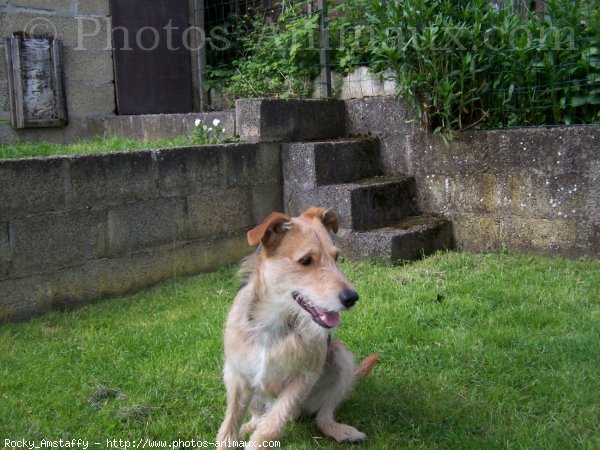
(270, 231)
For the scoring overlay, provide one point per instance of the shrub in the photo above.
(459, 64)
(462, 64)
(277, 60)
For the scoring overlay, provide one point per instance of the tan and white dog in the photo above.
(279, 358)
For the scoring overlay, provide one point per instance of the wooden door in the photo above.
(152, 63)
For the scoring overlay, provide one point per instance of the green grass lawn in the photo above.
(92, 145)
(477, 351)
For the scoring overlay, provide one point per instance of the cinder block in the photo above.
(100, 180)
(475, 193)
(141, 225)
(371, 203)
(23, 298)
(249, 164)
(321, 163)
(129, 273)
(539, 236)
(85, 33)
(389, 120)
(592, 202)
(4, 251)
(477, 232)
(19, 299)
(30, 186)
(433, 193)
(123, 126)
(90, 98)
(269, 163)
(3, 67)
(52, 241)
(151, 127)
(191, 170)
(81, 33)
(43, 5)
(266, 199)
(4, 98)
(77, 130)
(410, 239)
(218, 212)
(93, 7)
(92, 65)
(560, 196)
(269, 120)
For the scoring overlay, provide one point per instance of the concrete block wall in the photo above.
(78, 228)
(88, 64)
(532, 190)
(73, 229)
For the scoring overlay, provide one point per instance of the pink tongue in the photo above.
(332, 319)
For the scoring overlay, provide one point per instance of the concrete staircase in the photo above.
(378, 214)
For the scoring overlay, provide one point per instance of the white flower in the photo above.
(216, 122)
(197, 122)
(223, 130)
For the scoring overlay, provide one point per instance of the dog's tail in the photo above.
(366, 366)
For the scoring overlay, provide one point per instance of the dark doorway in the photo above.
(152, 62)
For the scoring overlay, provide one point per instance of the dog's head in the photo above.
(299, 263)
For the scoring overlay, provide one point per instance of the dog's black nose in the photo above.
(348, 297)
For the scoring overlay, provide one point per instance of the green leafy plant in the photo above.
(459, 65)
(278, 60)
(465, 64)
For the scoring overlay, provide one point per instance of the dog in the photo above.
(280, 360)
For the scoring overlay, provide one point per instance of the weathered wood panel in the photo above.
(35, 82)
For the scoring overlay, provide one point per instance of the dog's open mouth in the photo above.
(327, 319)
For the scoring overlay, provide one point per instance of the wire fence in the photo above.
(229, 22)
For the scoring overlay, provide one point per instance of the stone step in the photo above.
(407, 239)
(371, 202)
(309, 164)
(367, 203)
(285, 120)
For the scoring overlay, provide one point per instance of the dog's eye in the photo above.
(305, 261)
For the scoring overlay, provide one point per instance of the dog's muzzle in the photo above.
(327, 319)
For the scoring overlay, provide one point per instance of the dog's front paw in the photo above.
(350, 434)
(248, 427)
(342, 433)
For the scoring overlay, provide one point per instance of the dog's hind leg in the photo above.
(333, 387)
(238, 398)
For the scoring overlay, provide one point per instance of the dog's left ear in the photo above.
(327, 216)
(270, 231)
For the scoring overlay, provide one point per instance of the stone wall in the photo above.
(150, 127)
(78, 228)
(526, 189)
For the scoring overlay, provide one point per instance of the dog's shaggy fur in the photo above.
(279, 358)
